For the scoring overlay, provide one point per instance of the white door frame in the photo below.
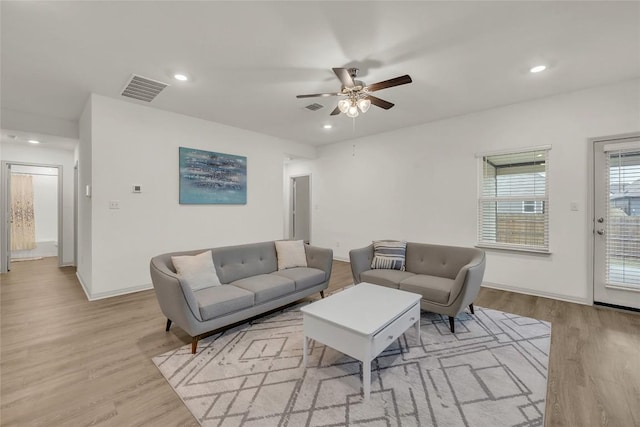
(5, 252)
(591, 201)
(290, 210)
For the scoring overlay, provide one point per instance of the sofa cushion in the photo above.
(219, 300)
(432, 288)
(304, 277)
(389, 278)
(266, 286)
(389, 254)
(290, 254)
(197, 271)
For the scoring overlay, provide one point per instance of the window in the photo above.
(513, 205)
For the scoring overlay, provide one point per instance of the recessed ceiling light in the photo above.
(327, 126)
(34, 141)
(538, 68)
(181, 77)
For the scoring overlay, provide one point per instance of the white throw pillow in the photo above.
(290, 254)
(197, 271)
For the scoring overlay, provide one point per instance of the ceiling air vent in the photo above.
(314, 107)
(143, 88)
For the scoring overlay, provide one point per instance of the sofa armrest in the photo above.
(177, 301)
(467, 282)
(320, 258)
(360, 261)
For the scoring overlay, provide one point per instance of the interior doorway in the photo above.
(300, 212)
(32, 212)
(616, 245)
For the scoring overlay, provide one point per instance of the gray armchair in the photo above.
(447, 277)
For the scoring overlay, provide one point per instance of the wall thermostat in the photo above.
(137, 189)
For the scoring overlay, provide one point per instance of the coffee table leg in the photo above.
(366, 378)
(418, 332)
(305, 350)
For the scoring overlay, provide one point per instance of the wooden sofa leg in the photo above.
(322, 294)
(168, 325)
(471, 308)
(194, 344)
(451, 319)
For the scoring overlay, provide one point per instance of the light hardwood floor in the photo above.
(69, 362)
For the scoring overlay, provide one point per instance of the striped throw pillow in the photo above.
(389, 254)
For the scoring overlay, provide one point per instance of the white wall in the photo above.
(132, 144)
(420, 183)
(38, 154)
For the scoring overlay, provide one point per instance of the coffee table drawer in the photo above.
(385, 337)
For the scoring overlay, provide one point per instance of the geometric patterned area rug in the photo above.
(491, 372)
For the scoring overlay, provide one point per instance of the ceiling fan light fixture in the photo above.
(364, 104)
(353, 111)
(344, 105)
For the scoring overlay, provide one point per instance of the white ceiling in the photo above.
(248, 60)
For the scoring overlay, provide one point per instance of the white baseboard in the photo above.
(131, 290)
(83, 286)
(339, 258)
(109, 294)
(536, 293)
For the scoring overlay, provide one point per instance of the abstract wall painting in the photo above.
(207, 177)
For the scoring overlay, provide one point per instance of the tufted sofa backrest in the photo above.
(232, 262)
(237, 262)
(439, 260)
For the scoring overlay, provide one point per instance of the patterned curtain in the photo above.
(23, 229)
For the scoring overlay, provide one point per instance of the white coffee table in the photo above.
(361, 322)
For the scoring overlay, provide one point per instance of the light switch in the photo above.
(114, 204)
(573, 206)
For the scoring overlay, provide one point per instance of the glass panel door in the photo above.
(617, 223)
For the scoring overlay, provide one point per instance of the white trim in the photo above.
(131, 290)
(619, 137)
(104, 295)
(536, 293)
(512, 248)
(621, 287)
(620, 146)
(514, 150)
(83, 286)
(339, 258)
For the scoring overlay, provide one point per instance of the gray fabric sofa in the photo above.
(251, 285)
(447, 277)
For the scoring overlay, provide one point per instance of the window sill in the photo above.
(513, 249)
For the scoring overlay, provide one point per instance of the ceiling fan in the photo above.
(357, 95)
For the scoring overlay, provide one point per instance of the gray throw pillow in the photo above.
(389, 254)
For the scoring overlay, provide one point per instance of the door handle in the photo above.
(600, 232)
(600, 220)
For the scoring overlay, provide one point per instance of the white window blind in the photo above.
(622, 230)
(513, 204)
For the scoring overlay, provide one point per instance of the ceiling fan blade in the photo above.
(402, 80)
(314, 95)
(380, 102)
(344, 76)
(335, 112)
